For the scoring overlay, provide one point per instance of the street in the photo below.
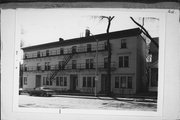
(85, 102)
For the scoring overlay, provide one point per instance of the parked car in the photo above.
(41, 91)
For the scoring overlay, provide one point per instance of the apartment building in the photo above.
(80, 64)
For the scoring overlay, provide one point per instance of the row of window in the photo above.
(88, 48)
(123, 82)
(62, 51)
(88, 82)
(120, 81)
(89, 64)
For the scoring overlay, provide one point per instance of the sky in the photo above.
(44, 26)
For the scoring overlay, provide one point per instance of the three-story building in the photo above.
(80, 64)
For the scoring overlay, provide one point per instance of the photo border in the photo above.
(161, 105)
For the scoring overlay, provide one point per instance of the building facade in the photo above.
(80, 64)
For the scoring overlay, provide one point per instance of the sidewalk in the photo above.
(91, 96)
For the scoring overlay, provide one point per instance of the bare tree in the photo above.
(109, 18)
(145, 32)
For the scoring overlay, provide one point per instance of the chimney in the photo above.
(87, 32)
(61, 39)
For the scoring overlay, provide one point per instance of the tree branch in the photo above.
(146, 33)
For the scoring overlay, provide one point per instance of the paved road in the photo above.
(85, 102)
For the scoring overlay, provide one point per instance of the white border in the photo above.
(156, 13)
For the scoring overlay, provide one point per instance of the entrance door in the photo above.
(104, 83)
(73, 82)
(38, 81)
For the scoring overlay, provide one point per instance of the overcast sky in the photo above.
(43, 26)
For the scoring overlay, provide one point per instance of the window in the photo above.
(65, 81)
(89, 46)
(74, 63)
(84, 81)
(74, 49)
(38, 54)
(93, 81)
(57, 81)
(25, 67)
(47, 66)
(38, 67)
(61, 65)
(89, 63)
(154, 77)
(123, 82)
(61, 81)
(129, 82)
(106, 62)
(47, 52)
(116, 82)
(105, 45)
(25, 56)
(88, 81)
(25, 80)
(124, 61)
(61, 51)
(123, 43)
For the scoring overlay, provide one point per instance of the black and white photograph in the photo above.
(88, 60)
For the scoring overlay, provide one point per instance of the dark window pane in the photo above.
(88, 47)
(38, 54)
(105, 62)
(121, 61)
(61, 51)
(91, 63)
(88, 81)
(57, 81)
(129, 82)
(154, 77)
(73, 64)
(87, 63)
(47, 52)
(123, 43)
(74, 49)
(116, 82)
(61, 81)
(93, 81)
(126, 61)
(84, 81)
(65, 81)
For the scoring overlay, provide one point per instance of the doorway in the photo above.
(73, 82)
(38, 81)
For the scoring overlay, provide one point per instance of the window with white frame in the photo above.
(123, 61)
(88, 81)
(123, 82)
(25, 80)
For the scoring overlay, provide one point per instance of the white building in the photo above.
(43, 64)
